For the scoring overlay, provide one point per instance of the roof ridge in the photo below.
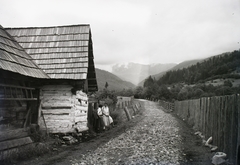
(45, 27)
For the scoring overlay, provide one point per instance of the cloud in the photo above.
(141, 31)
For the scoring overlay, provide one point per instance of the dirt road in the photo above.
(152, 137)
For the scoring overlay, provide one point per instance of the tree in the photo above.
(224, 90)
(109, 97)
(228, 83)
(148, 82)
(198, 92)
(164, 93)
(106, 85)
(138, 92)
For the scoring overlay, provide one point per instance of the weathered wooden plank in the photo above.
(80, 119)
(84, 98)
(58, 117)
(62, 105)
(27, 117)
(79, 113)
(204, 114)
(214, 129)
(82, 129)
(14, 143)
(190, 113)
(129, 117)
(211, 108)
(13, 109)
(61, 130)
(229, 131)
(59, 125)
(59, 121)
(208, 134)
(56, 98)
(226, 132)
(81, 108)
(221, 124)
(52, 101)
(19, 98)
(218, 113)
(56, 93)
(230, 126)
(57, 87)
(84, 123)
(13, 134)
(234, 127)
(238, 127)
(9, 153)
(56, 111)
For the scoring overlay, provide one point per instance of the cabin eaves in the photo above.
(13, 58)
(62, 52)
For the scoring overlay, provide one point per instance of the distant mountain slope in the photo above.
(220, 66)
(181, 65)
(114, 82)
(135, 73)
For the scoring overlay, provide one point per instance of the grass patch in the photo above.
(24, 152)
(117, 116)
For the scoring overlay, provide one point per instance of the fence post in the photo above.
(134, 111)
(127, 113)
(238, 136)
(136, 107)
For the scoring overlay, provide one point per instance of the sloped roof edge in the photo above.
(14, 58)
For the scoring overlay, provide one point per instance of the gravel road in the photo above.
(152, 137)
(154, 140)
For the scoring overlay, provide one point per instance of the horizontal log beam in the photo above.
(15, 86)
(23, 99)
(15, 143)
(13, 134)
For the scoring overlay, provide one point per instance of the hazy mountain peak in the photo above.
(135, 72)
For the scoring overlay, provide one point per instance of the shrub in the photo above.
(117, 116)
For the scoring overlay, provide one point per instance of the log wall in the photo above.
(15, 118)
(63, 111)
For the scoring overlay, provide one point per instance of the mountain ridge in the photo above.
(181, 65)
(135, 72)
(114, 82)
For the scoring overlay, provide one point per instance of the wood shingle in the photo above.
(62, 52)
(14, 58)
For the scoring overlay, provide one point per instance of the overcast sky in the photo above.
(141, 31)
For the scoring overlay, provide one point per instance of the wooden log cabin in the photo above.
(65, 54)
(18, 95)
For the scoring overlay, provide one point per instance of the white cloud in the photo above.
(138, 30)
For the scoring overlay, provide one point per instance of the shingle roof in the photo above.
(62, 52)
(13, 57)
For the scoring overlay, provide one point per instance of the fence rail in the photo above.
(216, 117)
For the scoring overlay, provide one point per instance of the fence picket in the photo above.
(217, 116)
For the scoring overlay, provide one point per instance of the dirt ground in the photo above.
(191, 147)
(195, 152)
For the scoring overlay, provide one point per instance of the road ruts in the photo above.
(154, 140)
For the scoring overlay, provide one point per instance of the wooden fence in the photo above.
(167, 105)
(216, 117)
(129, 105)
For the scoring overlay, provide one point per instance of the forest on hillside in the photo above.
(190, 82)
(221, 66)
